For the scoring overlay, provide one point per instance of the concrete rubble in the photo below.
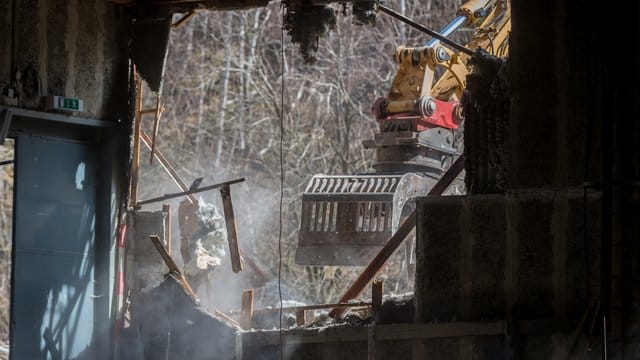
(203, 240)
(169, 324)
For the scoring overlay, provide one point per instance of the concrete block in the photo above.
(145, 266)
(438, 255)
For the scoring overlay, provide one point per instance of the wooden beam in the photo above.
(377, 289)
(166, 208)
(247, 309)
(173, 268)
(227, 319)
(156, 124)
(301, 317)
(260, 274)
(232, 230)
(135, 161)
(183, 20)
(190, 192)
(390, 247)
(166, 165)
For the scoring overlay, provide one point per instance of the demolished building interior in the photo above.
(518, 238)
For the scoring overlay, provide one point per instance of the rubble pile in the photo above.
(167, 323)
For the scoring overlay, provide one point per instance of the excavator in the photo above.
(347, 219)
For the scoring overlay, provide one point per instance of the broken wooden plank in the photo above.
(166, 165)
(377, 289)
(227, 319)
(135, 162)
(260, 274)
(301, 317)
(247, 309)
(183, 20)
(390, 247)
(173, 268)
(232, 229)
(148, 111)
(189, 192)
(166, 208)
(156, 124)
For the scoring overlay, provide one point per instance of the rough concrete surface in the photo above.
(145, 268)
(396, 310)
(486, 107)
(556, 97)
(75, 47)
(484, 257)
(515, 256)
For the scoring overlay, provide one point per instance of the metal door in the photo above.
(54, 313)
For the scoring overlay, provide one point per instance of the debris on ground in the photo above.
(267, 297)
(397, 309)
(167, 323)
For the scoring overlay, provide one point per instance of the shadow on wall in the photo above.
(55, 297)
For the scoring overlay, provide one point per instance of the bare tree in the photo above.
(224, 112)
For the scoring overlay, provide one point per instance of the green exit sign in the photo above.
(68, 103)
(65, 103)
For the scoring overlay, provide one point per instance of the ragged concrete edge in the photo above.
(149, 46)
(166, 320)
(486, 102)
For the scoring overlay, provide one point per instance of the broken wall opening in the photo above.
(221, 121)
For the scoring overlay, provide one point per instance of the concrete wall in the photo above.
(77, 47)
(494, 257)
(536, 250)
(557, 91)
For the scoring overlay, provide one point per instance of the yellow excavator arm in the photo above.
(347, 219)
(413, 85)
